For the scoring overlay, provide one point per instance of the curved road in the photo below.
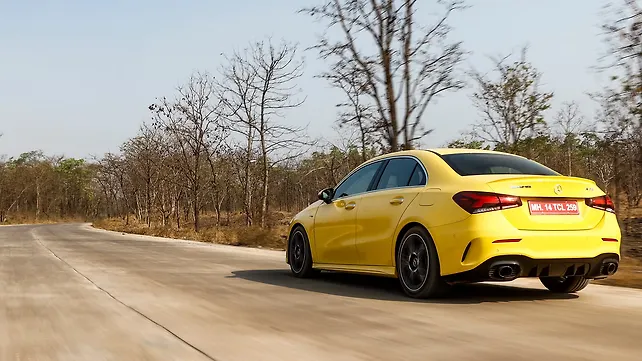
(70, 292)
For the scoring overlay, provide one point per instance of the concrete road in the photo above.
(69, 292)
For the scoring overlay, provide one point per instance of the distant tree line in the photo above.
(221, 144)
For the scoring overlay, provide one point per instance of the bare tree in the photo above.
(411, 64)
(194, 122)
(240, 98)
(143, 151)
(570, 121)
(260, 84)
(511, 105)
(355, 111)
(277, 68)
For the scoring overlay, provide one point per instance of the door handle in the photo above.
(397, 200)
(350, 205)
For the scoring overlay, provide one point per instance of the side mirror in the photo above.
(326, 195)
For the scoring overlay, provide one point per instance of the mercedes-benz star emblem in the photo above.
(558, 189)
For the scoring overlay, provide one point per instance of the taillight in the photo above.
(480, 202)
(603, 203)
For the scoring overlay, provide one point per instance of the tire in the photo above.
(565, 285)
(299, 254)
(416, 252)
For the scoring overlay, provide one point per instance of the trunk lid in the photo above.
(549, 202)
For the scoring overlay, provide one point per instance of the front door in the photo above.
(335, 223)
(381, 209)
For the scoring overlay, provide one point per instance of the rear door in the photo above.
(380, 209)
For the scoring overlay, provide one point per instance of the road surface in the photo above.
(70, 292)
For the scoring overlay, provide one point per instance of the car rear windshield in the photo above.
(483, 163)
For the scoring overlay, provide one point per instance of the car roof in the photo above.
(444, 151)
(438, 151)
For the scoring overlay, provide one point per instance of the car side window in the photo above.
(418, 177)
(357, 182)
(398, 173)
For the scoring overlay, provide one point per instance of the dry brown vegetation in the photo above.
(630, 272)
(232, 231)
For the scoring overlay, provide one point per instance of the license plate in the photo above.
(553, 207)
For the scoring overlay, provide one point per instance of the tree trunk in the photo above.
(196, 210)
(570, 165)
(386, 59)
(188, 208)
(163, 209)
(178, 211)
(148, 202)
(37, 199)
(265, 179)
(264, 205)
(247, 191)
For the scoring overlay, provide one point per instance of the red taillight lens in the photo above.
(603, 203)
(480, 202)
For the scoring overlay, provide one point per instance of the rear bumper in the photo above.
(522, 266)
(476, 241)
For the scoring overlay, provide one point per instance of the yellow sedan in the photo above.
(433, 218)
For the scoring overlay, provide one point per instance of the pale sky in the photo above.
(76, 76)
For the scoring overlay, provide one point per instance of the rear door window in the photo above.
(418, 177)
(399, 173)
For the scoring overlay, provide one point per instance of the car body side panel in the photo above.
(306, 219)
(377, 220)
(335, 231)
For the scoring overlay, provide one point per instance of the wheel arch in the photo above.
(400, 234)
(293, 228)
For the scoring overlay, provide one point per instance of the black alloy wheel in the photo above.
(418, 265)
(299, 254)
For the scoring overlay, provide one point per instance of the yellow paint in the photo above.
(378, 215)
(334, 232)
(363, 239)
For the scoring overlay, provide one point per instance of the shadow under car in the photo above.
(387, 289)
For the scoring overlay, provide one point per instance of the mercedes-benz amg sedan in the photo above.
(432, 218)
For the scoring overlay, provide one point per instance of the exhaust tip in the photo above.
(609, 268)
(504, 272)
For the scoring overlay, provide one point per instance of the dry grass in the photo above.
(233, 234)
(15, 219)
